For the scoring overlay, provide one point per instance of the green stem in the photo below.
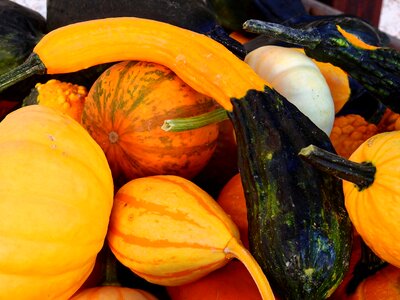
(111, 278)
(361, 174)
(182, 124)
(302, 37)
(33, 65)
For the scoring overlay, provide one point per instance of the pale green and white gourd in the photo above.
(296, 77)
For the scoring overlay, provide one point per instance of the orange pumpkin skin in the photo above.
(124, 112)
(375, 210)
(113, 293)
(168, 231)
(384, 285)
(233, 202)
(55, 210)
(231, 282)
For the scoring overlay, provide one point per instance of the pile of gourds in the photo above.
(274, 179)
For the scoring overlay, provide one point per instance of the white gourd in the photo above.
(296, 77)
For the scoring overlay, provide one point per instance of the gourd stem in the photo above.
(111, 278)
(287, 34)
(182, 124)
(237, 250)
(361, 174)
(32, 65)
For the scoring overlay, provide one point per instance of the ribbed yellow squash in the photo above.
(56, 197)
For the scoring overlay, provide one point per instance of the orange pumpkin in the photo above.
(124, 112)
(233, 202)
(169, 231)
(383, 285)
(371, 190)
(55, 204)
(231, 282)
(113, 293)
(375, 209)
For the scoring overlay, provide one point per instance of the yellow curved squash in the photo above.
(204, 64)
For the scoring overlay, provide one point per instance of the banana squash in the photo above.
(300, 231)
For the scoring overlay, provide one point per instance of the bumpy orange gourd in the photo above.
(125, 110)
(67, 97)
(55, 201)
(375, 210)
(113, 293)
(171, 232)
(349, 132)
(390, 121)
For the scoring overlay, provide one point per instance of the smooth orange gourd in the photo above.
(170, 232)
(384, 285)
(371, 190)
(55, 204)
(124, 112)
(233, 281)
(233, 202)
(375, 210)
(113, 293)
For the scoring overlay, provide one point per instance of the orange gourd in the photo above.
(233, 202)
(390, 121)
(384, 285)
(349, 132)
(55, 204)
(170, 232)
(124, 112)
(375, 209)
(67, 97)
(231, 282)
(371, 190)
(113, 293)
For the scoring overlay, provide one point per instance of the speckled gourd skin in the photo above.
(299, 231)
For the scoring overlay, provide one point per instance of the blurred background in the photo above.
(385, 14)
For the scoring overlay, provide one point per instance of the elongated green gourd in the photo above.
(299, 230)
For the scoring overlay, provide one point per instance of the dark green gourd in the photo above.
(299, 229)
(20, 29)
